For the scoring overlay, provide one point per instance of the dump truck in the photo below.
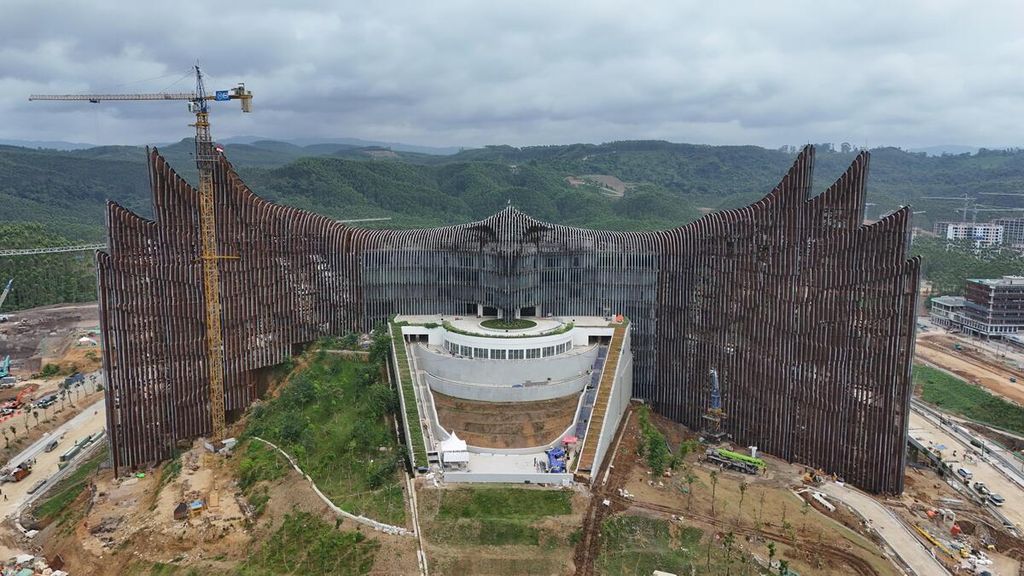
(18, 473)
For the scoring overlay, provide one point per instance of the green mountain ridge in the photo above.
(50, 197)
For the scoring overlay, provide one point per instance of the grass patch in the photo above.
(55, 507)
(510, 324)
(560, 330)
(497, 516)
(305, 544)
(973, 402)
(640, 545)
(412, 412)
(504, 503)
(160, 569)
(259, 463)
(333, 417)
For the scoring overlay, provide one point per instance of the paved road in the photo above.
(929, 432)
(92, 419)
(896, 534)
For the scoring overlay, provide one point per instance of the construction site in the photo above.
(506, 396)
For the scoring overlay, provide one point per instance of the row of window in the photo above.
(516, 354)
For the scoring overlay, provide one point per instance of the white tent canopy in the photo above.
(454, 450)
(453, 444)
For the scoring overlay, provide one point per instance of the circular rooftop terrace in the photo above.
(477, 327)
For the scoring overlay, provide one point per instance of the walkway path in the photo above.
(885, 523)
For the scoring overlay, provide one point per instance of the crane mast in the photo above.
(206, 161)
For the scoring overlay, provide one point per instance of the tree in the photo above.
(14, 431)
(771, 555)
(743, 493)
(35, 414)
(783, 567)
(760, 512)
(690, 479)
(804, 510)
(714, 486)
(728, 541)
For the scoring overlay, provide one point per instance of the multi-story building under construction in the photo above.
(806, 314)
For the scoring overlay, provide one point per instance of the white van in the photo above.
(964, 473)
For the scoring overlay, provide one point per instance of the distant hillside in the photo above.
(65, 190)
(729, 176)
(51, 197)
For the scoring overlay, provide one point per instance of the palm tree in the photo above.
(714, 485)
(743, 493)
(690, 479)
(804, 510)
(771, 555)
(728, 542)
(14, 431)
(760, 512)
(35, 414)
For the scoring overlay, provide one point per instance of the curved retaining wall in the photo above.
(504, 372)
(501, 341)
(507, 393)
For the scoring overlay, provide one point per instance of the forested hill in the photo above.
(662, 183)
(726, 176)
(52, 197)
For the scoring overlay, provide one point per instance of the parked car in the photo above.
(980, 488)
(964, 473)
(996, 499)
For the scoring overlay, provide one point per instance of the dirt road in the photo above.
(897, 535)
(91, 420)
(972, 365)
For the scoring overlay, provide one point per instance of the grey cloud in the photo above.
(471, 73)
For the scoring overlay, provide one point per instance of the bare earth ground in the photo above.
(39, 335)
(971, 364)
(505, 424)
(127, 522)
(812, 541)
(611, 185)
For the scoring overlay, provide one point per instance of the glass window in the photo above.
(467, 351)
(479, 352)
(515, 354)
(549, 351)
(497, 354)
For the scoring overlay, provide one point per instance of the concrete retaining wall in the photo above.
(493, 393)
(504, 372)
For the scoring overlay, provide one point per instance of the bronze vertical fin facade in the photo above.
(805, 312)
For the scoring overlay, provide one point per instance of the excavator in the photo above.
(5, 365)
(3, 296)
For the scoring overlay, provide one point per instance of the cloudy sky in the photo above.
(454, 73)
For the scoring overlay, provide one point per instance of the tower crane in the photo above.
(206, 160)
